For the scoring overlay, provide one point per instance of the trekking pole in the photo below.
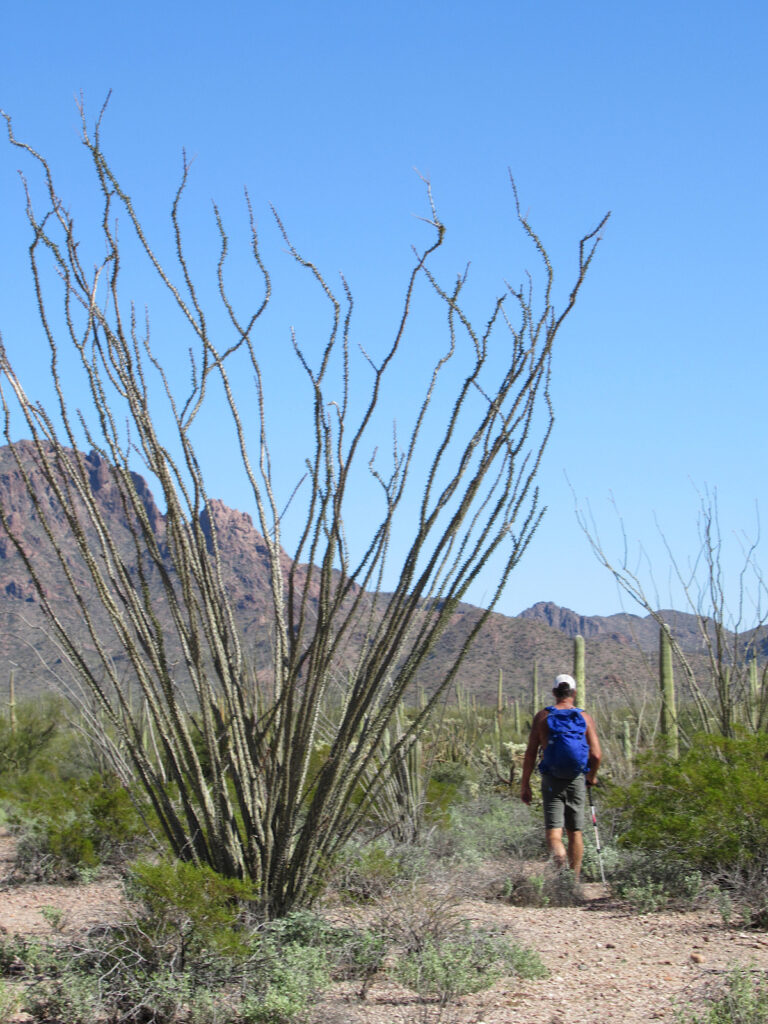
(597, 834)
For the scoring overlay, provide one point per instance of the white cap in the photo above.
(559, 680)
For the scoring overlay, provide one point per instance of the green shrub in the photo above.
(458, 966)
(224, 974)
(742, 1000)
(526, 963)
(741, 892)
(359, 955)
(289, 987)
(188, 912)
(369, 870)
(69, 996)
(352, 953)
(652, 881)
(10, 1001)
(708, 808)
(68, 826)
(29, 737)
(446, 786)
(549, 886)
(490, 826)
(590, 865)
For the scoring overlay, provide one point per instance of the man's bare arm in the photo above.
(535, 740)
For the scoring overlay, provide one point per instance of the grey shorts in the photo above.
(564, 802)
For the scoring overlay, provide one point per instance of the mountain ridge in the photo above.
(620, 648)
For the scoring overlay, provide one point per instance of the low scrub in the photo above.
(68, 828)
(195, 952)
(648, 881)
(708, 809)
(544, 886)
(463, 964)
(742, 999)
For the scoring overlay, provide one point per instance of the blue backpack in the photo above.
(567, 751)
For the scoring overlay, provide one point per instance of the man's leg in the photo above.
(555, 846)
(575, 851)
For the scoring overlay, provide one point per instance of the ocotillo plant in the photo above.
(579, 673)
(668, 721)
(243, 792)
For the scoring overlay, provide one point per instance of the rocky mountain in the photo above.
(620, 648)
(623, 628)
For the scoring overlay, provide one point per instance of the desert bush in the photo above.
(368, 870)
(290, 986)
(136, 973)
(740, 893)
(188, 913)
(10, 1001)
(68, 827)
(449, 783)
(548, 886)
(462, 964)
(742, 999)
(649, 881)
(353, 952)
(26, 737)
(590, 865)
(708, 808)
(69, 996)
(488, 827)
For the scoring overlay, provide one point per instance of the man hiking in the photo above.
(571, 756)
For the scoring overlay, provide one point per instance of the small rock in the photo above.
(697, 958)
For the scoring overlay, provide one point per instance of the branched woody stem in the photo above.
(231, 767)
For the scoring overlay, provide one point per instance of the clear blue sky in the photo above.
(655, 111)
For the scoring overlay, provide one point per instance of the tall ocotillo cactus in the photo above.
(668, 720)
(579, 672)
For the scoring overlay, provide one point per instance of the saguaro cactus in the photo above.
(579, 672)
(626, 742)
(535, 706)
(668, 721)
(753, 712)
(12, 704)
(499, 712)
